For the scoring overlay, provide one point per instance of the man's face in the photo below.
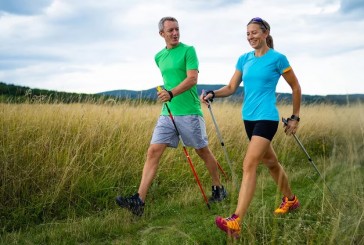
(170, 33)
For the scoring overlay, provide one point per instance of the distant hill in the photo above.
(10, 93)
(239, 95)
(152, 93)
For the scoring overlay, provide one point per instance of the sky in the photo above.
(92, 46)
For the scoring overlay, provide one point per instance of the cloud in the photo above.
(203, 5)
(350, 6)
(18, 60)
(24, 7)
(94, 46)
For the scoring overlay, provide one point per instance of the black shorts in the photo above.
(263, 128)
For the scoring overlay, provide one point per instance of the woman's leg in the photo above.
(257, 148)
(277, 172)
(290, 201)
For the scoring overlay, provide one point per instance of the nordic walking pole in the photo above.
(222, 171)
(185, 151)
(221, 141)
(285, 121)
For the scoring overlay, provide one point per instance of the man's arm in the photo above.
(185, 85)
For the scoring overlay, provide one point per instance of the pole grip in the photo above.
(285, 121)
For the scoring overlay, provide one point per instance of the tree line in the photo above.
(10, 93)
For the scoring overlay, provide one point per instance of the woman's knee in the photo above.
(270, 159)
(250, 165)
(271, 163)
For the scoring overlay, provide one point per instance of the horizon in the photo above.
(131, 90)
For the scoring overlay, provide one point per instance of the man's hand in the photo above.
(164, 95)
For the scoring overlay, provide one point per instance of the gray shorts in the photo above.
(192, 129)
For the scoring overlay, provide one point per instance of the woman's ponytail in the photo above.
(269, 40)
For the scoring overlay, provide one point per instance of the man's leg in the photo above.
(154, 154)
(218, 191)
(135, 203)
(211, 164)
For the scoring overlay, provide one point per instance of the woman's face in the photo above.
(255, 36)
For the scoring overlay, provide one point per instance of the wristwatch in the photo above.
(295, 118)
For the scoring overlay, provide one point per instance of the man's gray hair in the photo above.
(164, 19)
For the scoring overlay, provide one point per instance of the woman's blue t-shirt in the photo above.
(260, 78)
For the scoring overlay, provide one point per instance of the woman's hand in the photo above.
(290, 127)
(206, 98)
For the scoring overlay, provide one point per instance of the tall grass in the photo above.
(61, 167)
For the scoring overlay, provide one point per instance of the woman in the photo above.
(260, 70)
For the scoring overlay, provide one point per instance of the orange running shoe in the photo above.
(230, 225)
(287, 206)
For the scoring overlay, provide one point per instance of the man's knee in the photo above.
(155, 150)
(203, 151)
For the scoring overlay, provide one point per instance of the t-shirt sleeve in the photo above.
(191, 59)
(240, 63)
(156, 59)
(283, 64)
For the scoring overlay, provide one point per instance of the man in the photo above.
(178, 64)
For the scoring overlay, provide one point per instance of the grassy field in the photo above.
(61, 167)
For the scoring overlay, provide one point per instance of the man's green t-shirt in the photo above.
(174, 64)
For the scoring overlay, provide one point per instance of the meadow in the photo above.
(62, 165)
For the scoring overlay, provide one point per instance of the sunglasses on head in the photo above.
(259, 20)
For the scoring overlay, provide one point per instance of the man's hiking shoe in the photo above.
(230, 225)
(133, 203)
(287, 206)
(218, 194)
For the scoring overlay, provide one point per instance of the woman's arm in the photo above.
(226, 90)
(292, 81)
